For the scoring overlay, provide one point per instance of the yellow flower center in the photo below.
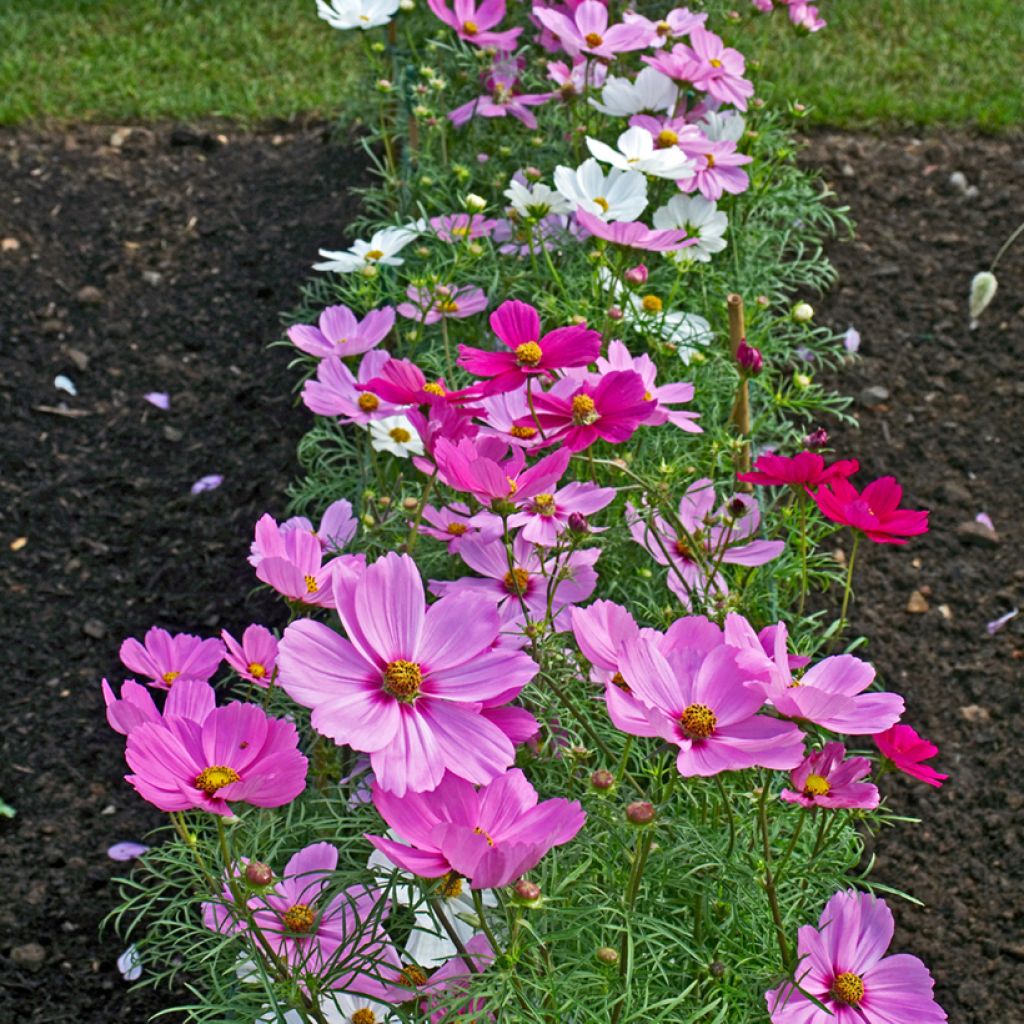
(403, 679)
(816, 785)
(619, 681)
(448, 306)
(413, 975)
(364, 1015)
(648, 396)
(450, 885)
(528, 354)
(460, 232)
(584, 412)
(368, 402)
(698, 721)
(311, 587)
(651, 303)
(666, 137)
(480, 832)
(434, 389)
(593, 39)
(715, 62)
(299, 918)
(711, 160)
(544, 504)
(399, 434)
(374, 254)
(169, 677)
(516, 581)
(602, 202)
(457, 529)
(683, 550)
(523, 433)
(209, 780)
(663, 29)
(512, 486)
(257, 669)
(847, 988)
(470, 28)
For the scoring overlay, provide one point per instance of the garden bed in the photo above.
(191, 250)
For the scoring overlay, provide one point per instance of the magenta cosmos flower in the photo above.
(634, 235)
(163, 658)
(442, 302)
(578, 414)
(708, 64)
(805, 469)
(544, 516)
(517, 325)
(190, 698)
(403, 383)
(255, 658)
(588, 31)
(703, 704)
(478, 466)
(824, 779)
(874, 511)
(336, 392)
(717, 168)
(462, 227)
(408, 684)
(491, 836)
(340, 333)
(842, 967)
(316, 931)
(452, 525)
(501, 415)
(235, 754)
(908, 752)
(473, 24)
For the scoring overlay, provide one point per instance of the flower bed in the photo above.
(599, 776)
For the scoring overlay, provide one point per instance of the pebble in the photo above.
(31, 956)
(54, 326)
(173, 434)
(79, 358)
(951, 492)
(89, 295)
(974, 713)
(153, 277)
(94, 628)
(9, 244)
(917, 603)
(874, 395)
(977, 534)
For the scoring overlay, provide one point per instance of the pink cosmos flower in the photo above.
(337, 528)
(518, 239)
(314, 931)
(824, 779)
(403, 383)
(805, 469)
(717, 168)
(578, 414)
(805, 16)
(544, 516)
(475, 466)
(701, 703)
(708, 64)
(452, 525)
(335, 392)
(462, 227)
(576, 80)
(533, 581)
(501, 416)
(677, 23)
(874, 511)
(446, 991)
(473, 24)
(634, 235)
(408, 684)
(664, 396)
(587, 31)
(440, 421)
(503, 98)
(341, 334)
(255, 658)
(843, 969)
(442, 302)
(189, 698)
(163, 658)
(490, 836)
(669, 131)
(235, 754)
(908, 752)
(517, 325)
(710, 539)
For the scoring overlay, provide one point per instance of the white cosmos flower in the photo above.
(723, 125)
(701, 219)
(651, 92)
(337, 1008)
(636, 152)
(687, 333)
(397, 435)
(381, 250)
(364, 14)
(619, 195)
(537, 202)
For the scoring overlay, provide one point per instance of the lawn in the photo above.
(889, 62)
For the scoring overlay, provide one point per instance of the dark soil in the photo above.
(191, 250)
(951, 432)
(115, 542)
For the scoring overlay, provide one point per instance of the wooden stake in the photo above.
(741, 405)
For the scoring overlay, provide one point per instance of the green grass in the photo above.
(890, 62)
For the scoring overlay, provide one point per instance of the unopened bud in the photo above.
(475, 203)
(532, 173)
(409, 504)
(384, 501)
(749, 359)
(802, 380)
(614, 313)
(607, 955)
(527, 891)
(803, 312)
(406, 5)
(258, 874)
(640, 812)
(983, 291)
(577, 523)
(384, 85)
(370, 270)
(636, 275)
(816, 439)
(602, 779)
(738, 508)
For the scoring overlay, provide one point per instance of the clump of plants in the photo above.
(565, 724)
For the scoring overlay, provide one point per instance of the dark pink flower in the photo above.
(489, 836)
(843, 970)
(404, 383)
(874, 512)
(190, 698)
(634, 235)
(824, 779)
(473, 23)
(255, 658)
(341, 334)
(336, 392)
(908, 752)
(530, 354)
(805, 469)
(544, 516)
(163, 658)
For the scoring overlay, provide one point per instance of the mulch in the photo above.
(158, 260)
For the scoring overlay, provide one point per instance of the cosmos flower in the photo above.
(587, 31)
(874, 511)
(340, 333)
(190, 698)
(163, 658)
(544, 516)
(255, 657)
(336, 392)
(715, 170)
(677, 23)
(901, 745)
(805, 469)
(637, 152)
(473, 24)
(709, 65)
(451, 525)
(700, 218)
(650, 92)
(362, 14)
(824, 779)
(462, 227)
(535, 202)
(442, 302)
(619, 195)
(395, 434)
(576, 80)
(380, 251)
(633, 234)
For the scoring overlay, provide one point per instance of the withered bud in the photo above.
(640, 812)
(258, 874)
(607, 955)
(602, 779)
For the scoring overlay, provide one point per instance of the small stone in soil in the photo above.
(977, 534)
(89, 295)
(874, 395)
(31, 956)
(94, 628)
(917, 604)
(975, 713)
(79, 358)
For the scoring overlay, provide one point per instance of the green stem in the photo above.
(727, 804)
(478, 903)
(802, 502)
(643, 849)
(847, 589)
(410, 541)
(769, 878)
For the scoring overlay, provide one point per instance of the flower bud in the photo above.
(577, 523)
(475, 249)
(406, 5)
(636, 275)
(803, 312)
(749, 359)
(475, 203)
(532, 173)
(384, 85)
(983, 291)
(409, 504)
(763, 300)
(802, 380)
(816, 439)
(369, 271)
(602, 779)
(640, 812)
(608, 956)
(527, 891)
(614, 313)
(258, 874)
(384, 501)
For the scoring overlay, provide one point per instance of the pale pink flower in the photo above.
(674, 25)
(341, 333)
(442, 302)
(546, 515)
(634, 235)
(462, 227)
(451, 525)
(717, 168)
(163, 658)
(336, 392)
(587, 31)
(710, 66)
(473, 23)
(190, 698)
